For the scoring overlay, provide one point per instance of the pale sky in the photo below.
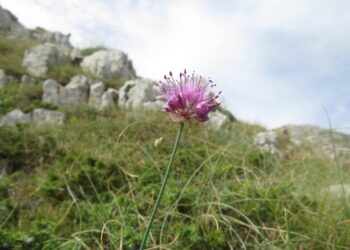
(276, 61)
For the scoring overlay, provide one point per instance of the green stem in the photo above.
(171, 162)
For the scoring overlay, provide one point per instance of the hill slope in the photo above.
(91, 182)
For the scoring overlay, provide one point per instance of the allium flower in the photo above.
(185, 99)
(188, 97)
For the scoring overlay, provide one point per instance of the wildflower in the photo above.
(185, 99)
(188, 97)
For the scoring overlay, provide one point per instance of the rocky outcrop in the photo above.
(80, 90)
(46, 36)
(331, 144)
(138, 93)
(268, 142)
(10, 26)
(39, 59)
(37, 117)
(315, 140)
(109, 64)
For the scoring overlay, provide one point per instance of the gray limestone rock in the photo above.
(137, 93)
(109, 64)
(51, 92)
(10, 26)
(96, 92)
(43, 116)
(39, 59)
(332, 144)
(15, 117)
(217, 120)
(46, 36)
(76, 92)
(267, 142)
(109, 99)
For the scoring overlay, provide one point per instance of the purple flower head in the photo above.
(188, 97)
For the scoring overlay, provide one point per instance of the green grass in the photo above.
(91, 184)
(25, 98)
(12, 52)
(89, 51)
(63, 73)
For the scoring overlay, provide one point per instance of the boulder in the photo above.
(76, 92)
(109, 64)
(79, 80)
(43, 116)
(15, 117)
(39, 59)
(268, 142)
(51, 92)
(138, 93)
(10, 26)
(3, 79)
(109, 99)
(96, 92)
(27, 80)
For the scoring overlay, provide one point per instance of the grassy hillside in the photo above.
(91, 184)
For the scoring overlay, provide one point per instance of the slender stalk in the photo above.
(171, 162)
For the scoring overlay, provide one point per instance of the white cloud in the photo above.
(227, 41)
